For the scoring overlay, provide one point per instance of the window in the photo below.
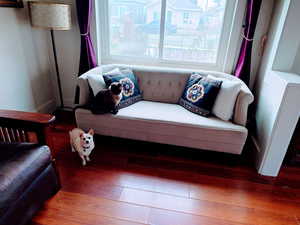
(186, 17)
(155, 16)
(169, 17)
(158, 32)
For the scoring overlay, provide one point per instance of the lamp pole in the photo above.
(57, 70)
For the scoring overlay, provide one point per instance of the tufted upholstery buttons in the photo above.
(162, 87)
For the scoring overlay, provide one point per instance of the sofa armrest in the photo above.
(15, 126)
(82, 82)
(8, 150)
(18, 126)
(84, 90)
(244, 99)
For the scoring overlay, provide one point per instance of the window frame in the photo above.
(230, 34)
(186, 17)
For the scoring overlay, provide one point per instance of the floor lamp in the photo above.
(51, 16)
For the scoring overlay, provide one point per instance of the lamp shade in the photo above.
(50, 15)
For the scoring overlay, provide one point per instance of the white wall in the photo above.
(296, 65)
(25, 70)
(262, 28)
(68, 53)
(289, 40)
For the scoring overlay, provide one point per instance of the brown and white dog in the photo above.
(83, 143)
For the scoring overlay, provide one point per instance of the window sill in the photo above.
(161, 63)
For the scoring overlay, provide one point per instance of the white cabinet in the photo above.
(278, 110)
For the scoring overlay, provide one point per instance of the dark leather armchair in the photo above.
(28, 175)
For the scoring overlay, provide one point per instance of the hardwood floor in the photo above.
(133, 183)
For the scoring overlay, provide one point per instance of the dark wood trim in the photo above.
(31, 117)
(20, 124)
(11, 3)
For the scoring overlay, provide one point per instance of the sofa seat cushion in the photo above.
(19, 170)
(166, 123)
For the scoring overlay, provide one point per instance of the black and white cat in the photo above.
(107, 100)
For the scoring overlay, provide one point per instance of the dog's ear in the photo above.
(80, 135)
(91, 132)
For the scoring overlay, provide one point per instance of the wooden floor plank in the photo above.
(244, 198)
(100, 206)
(205, 208)
(98, 179)
(165, 217)
(54, 219)
(61, 216)
(100, 183)
(94, 184)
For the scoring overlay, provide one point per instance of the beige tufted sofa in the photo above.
(158, 118)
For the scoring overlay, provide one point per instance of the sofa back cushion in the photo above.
(156, 83)
(161, 86)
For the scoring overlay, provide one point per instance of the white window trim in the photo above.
(227, 51)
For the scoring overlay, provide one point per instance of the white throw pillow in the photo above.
(115, 71)
(225, 101)
(97, 82)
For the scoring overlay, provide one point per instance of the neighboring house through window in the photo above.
(155, 16)
(169, 17)
(186, 16)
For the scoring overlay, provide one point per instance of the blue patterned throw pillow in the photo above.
(200, 94)
(131, 91)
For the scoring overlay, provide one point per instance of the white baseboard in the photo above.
(47, 107)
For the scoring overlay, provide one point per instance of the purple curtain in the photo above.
(87, 54)
(243, 66)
